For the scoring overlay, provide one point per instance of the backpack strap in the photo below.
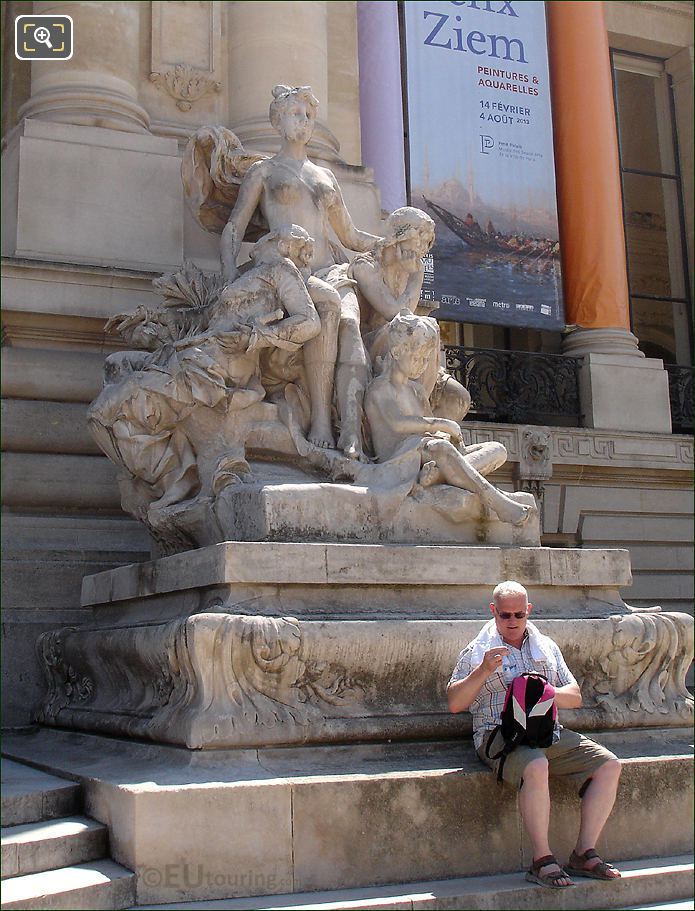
(508, 747)
(488, 744)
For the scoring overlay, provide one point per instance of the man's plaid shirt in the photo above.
(486, 708)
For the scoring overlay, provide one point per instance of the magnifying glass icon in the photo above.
(43, 36)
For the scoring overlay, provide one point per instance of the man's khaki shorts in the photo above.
(573, 756)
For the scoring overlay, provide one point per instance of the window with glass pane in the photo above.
(653, 209)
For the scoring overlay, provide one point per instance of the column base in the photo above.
(578, 342)
(619, 388)
(85, 105)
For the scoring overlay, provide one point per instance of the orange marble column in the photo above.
(587, 164)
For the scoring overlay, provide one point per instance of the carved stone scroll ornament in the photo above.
(208, 680)
(65, 685)
(185, 84)
(639, 679)
(645, 670)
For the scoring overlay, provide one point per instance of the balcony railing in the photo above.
(518, 387)
(680, 389)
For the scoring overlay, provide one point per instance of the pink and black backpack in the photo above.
(528, 716)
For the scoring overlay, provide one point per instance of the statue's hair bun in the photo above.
(281, 90)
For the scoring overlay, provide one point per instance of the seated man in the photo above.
(508, 645)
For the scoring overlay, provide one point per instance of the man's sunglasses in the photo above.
(507, 615)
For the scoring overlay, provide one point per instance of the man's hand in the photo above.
(492, 660)
(462, 693)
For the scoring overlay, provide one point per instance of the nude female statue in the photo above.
(290, 189)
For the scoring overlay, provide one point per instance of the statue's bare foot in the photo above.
(351, 447)
(514, 513)
(321, 435)
(429, 475)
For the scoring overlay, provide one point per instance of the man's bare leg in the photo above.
(483, 457)
(351, 381)
(534, 806)
(596, 807)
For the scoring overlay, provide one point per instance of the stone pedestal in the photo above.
(619, 388)
(249, 645)
(307, 682)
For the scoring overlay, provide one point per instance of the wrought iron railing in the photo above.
(518, 387)
(680, 389)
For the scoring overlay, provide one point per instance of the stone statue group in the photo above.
(304, 356)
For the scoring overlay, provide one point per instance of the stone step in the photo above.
(96, 885)
(347, 817)
(666, 879)
(48, 845)
(687, 905)
(29, 795)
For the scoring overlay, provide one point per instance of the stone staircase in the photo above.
(378, 826)
(52, 856)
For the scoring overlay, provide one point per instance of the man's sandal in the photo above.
(602, 870)
(551, 880)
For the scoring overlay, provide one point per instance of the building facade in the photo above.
(93, 210)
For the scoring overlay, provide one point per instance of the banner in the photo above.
(481, 159)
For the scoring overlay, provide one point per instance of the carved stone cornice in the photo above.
(685, 10)
(185, 84)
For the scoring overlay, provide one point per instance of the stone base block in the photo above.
(625, 393)
(293, 820)
(341, 512)
(249, 644)
(359, 581)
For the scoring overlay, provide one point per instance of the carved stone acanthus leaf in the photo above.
(185, 84)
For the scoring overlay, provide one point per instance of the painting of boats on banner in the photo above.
(532, 253)
(482, 270)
